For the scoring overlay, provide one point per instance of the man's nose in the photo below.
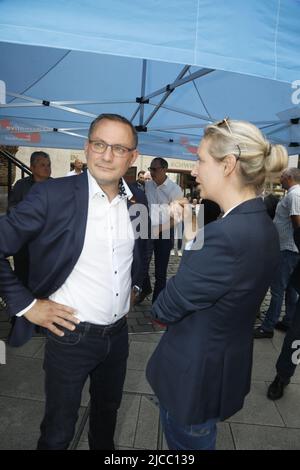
(194, 171)
(108, 154)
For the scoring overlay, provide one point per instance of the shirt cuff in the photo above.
(20, 314)
(188, 245)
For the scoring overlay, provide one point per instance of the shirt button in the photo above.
(117, 295)
(116, 272)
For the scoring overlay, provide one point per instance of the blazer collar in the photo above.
(82, 203)
(252, 205)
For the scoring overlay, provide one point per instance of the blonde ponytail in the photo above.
(257, 157)
(277, 159)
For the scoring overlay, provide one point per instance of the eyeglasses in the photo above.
(99, 146)
(220, 124)
(151, 168)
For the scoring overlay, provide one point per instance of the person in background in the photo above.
(286, 220)
(40, 166)
(195, 206)
(140, 182)
(289, 355)
(271, 202)
(160, 192)
(78, 168)
(147, 176)
(201, 368)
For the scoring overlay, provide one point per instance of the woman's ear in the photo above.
(229, 164)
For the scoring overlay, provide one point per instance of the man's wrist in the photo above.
(25, 310)
(136, 290)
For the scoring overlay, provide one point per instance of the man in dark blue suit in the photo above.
(86, 262)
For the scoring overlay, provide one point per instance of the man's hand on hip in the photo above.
(48, 314)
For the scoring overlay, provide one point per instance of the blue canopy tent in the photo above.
(169, 66)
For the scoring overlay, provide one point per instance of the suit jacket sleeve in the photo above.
(142, 233)
(16, 195)
(203, 277)
(22, 224)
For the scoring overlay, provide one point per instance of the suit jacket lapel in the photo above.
(130, 203)
(82, 205)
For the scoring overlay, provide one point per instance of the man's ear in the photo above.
(229, 164)
(134, 156)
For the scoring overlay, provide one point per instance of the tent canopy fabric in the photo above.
(169, 66)
(256, 38)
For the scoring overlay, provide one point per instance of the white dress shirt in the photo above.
(159, 198)
(99, 286)
(288, 206)
(73, 173)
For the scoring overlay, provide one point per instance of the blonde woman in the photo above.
(201, 369)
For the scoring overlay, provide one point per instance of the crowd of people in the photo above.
(75, 277)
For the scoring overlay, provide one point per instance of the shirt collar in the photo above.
(165, 183)
(292, 188)
(94, 188)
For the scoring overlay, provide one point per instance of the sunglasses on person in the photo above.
(151, 168)
(220, 124)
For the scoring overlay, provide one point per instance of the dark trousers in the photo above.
(88, 352)
(286, 364)
(161, 249)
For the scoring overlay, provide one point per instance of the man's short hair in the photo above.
(292, 173)
(118, 118)
(36, 155)
(142, 172)
(162, 161)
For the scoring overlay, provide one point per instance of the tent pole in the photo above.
(167, 94)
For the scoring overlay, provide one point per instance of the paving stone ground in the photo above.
(261, 424)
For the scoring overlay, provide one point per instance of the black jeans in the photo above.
(90, 351)
(285, 365)
(161, 248)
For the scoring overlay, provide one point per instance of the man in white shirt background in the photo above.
(160, 192)
(78, 168)
(82, 275)
(287, 219)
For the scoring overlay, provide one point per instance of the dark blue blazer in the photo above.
(52, 221)
(201, 368)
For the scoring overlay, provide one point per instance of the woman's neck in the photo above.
(234, 198)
